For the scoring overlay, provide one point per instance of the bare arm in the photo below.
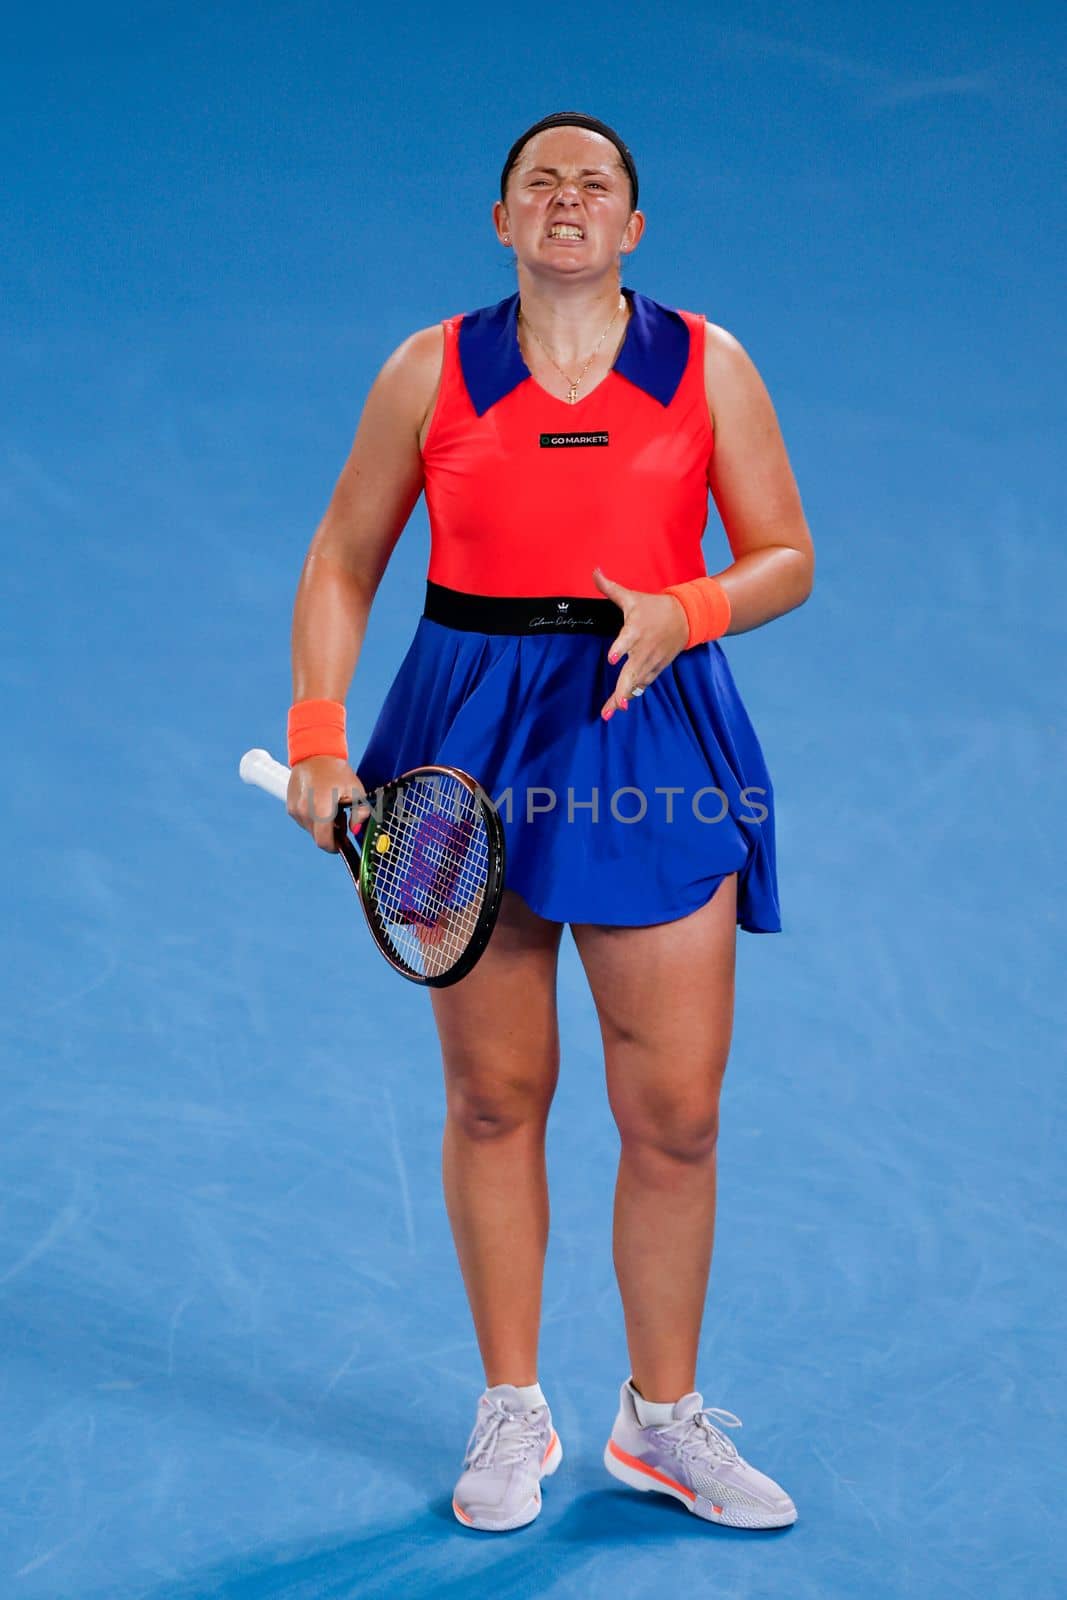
(370, 505)
(753, 486)
(368, 510)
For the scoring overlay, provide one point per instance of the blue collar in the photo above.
(653, 353)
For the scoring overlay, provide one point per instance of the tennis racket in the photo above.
(429, 867)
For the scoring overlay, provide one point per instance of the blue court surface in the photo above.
(236, 1354)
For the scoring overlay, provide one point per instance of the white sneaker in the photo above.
(691, 1460)
(509, 1451)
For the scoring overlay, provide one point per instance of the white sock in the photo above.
(651, 1413)
(529, 1394)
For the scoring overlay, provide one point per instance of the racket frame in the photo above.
(357, 860)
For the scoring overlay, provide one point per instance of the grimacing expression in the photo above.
(572, 177)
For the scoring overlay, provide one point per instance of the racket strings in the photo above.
(429, 871)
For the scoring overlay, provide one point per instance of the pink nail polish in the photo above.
(613, 658)
(625, 704)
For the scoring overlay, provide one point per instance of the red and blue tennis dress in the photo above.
(627, 822)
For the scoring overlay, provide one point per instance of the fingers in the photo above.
(322, 816)
(623, 644)
(633, 681)
(629, 636)
(631, 685)
(328, 821)
(649, 639)
(614, 591)
(318, 788)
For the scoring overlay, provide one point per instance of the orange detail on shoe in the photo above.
(652, 1472)
(462, 1515)
(548, 1452)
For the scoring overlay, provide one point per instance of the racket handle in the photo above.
(259, 767)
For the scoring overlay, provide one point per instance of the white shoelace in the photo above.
(499, 1445)
(704, 1439)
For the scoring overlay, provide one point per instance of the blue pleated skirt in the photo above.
(627, 822)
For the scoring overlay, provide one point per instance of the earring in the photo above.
(507, 238)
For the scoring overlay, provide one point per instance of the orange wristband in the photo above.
(706, 604)
(317, 728)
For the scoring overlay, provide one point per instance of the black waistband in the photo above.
(562, 614)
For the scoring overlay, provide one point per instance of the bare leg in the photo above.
(664, 996)
(500, 1049)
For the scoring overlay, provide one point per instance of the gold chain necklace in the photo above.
(572, 393)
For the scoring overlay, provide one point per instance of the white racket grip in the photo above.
(259, 767)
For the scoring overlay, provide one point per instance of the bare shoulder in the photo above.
(749, 473)
(410, 375)
(731, 380)
(383, 475)
(419, 355)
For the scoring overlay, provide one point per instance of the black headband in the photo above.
(568, 119)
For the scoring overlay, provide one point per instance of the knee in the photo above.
(488, 1108)
(673, 1132)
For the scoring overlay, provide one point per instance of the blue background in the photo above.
(237, 1358)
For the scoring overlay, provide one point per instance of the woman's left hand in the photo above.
(654, 630)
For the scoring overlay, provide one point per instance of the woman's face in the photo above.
(575, 178)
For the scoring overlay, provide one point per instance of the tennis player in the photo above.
(568, 657)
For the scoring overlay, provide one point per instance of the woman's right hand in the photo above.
(316, 788)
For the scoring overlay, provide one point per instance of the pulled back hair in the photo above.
(568, 119)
